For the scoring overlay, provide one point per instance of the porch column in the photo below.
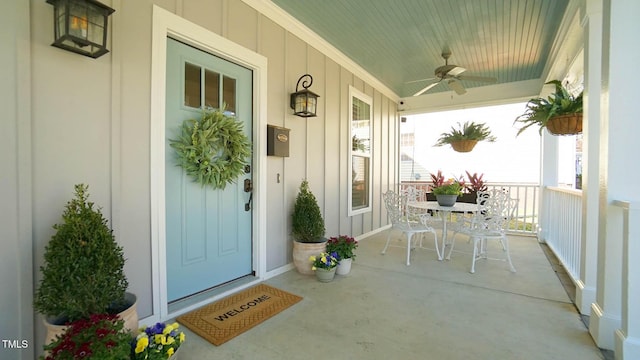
(618, 145)
(549, 149)
(586, 284)
(627, 338)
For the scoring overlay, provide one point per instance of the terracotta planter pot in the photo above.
(301, 253)
(129, 315)
(570, 124)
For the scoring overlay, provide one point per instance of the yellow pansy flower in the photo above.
(160, 339)
(142, 344)
(167, 329)
(169, 352)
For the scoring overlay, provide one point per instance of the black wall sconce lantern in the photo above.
(304, 102)
(81, 26)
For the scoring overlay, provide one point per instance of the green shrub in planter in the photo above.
(307, 223)
(83, 271)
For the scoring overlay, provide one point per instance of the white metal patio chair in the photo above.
(413, 194)
(495, 211)
(410, 223)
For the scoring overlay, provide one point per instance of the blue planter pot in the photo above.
(446, 200)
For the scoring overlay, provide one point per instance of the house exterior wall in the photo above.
(89, 122)
(16, 265)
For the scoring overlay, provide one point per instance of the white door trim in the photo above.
(166, 24)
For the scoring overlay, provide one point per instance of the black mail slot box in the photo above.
(277, 141)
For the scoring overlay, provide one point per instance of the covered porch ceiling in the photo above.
(520, 43)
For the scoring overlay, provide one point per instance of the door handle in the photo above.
(248, 185)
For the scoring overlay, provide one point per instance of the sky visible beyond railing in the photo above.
(510, 159)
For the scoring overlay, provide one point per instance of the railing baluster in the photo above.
(562, 226)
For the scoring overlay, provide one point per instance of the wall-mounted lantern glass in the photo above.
(304, 102)
(81, 26)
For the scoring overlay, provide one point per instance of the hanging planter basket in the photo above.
(570, 124)
(463, 145)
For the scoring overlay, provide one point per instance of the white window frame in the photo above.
(368, 153)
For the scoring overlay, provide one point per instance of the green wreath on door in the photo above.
(213, 149)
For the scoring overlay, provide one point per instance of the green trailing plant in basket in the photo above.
(468, 131)
(307, 222)
(540, 110)
(83, 271)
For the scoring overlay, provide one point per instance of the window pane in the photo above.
(360, 153)
(360, 110)
(229, 93)
(360, 182)
(211, 89)
(360, 126)
(191, 85)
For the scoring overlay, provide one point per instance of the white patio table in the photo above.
(444, 212)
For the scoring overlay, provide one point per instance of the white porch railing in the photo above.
(561, 226)
(526, 218)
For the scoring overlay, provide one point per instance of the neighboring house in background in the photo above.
(410, 170)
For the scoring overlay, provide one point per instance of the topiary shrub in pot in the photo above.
(307, 228)
(83, 270)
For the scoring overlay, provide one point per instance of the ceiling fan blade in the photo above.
(486, 79)
(456, 86)
(457, 70)
(420, 80)
(428, 87)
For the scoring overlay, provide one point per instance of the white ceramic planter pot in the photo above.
(344, 267)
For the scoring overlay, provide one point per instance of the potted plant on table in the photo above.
(307, 228)
(324, 265)
(83, 271)
(98, 337)
(560, 113)
(344, 246)
(447, 192)
(465, 137)
(158, 342)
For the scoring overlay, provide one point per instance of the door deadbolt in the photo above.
(248, 185)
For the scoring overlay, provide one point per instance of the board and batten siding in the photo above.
(91, 122)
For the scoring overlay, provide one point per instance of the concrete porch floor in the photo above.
(429, 310)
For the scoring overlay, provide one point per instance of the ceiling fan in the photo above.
(453, 74)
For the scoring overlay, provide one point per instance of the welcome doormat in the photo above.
(225, 319)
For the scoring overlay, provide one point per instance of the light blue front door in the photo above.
(208, 232)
